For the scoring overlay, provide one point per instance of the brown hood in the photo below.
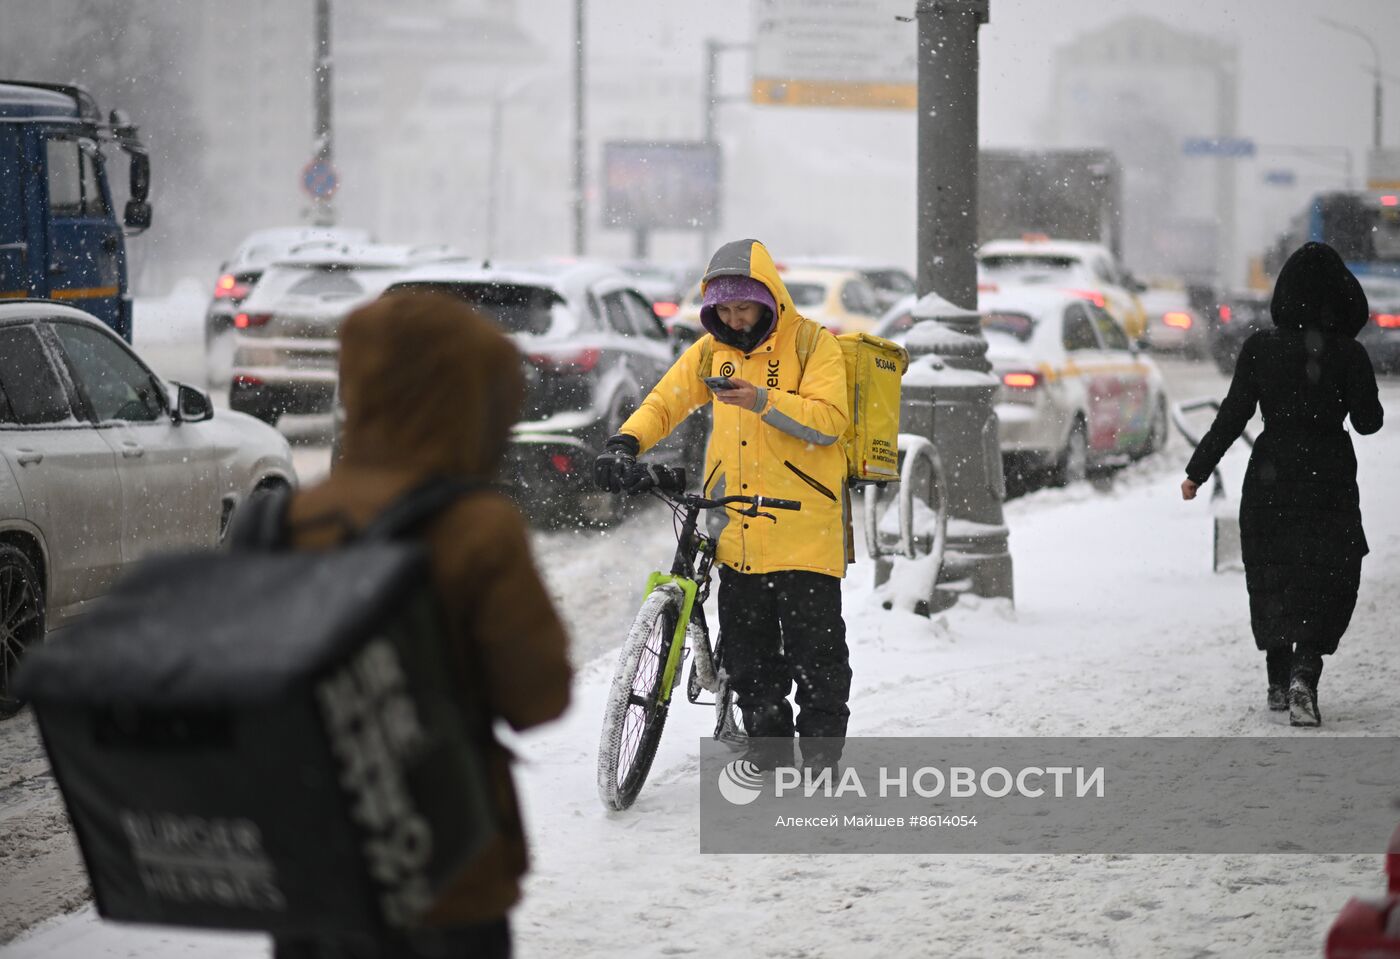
(429, 385)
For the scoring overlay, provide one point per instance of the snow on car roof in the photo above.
(370, 255)
(570, 278)
(1072, 248)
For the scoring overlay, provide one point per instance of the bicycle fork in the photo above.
(675, 654)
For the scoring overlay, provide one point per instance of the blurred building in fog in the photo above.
(1141, 88)
(250, 79)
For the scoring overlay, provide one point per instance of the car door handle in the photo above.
(132, 451)
(29, 457)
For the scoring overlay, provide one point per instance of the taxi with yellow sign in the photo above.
(1089, 269)
(1075, 393)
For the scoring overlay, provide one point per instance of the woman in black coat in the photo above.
(1300, 514)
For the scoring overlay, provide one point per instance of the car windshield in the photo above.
(807, 294)
(1018, 325)
(893, 281)
(516, 307)
(326, 284)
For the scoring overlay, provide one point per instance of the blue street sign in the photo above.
(319, 179)
(1280, 177)
(1218, 147)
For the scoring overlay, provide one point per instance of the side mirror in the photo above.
(138, 215)
(192, 405)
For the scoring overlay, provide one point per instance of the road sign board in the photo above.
(666, 185)
(858, 53)
(1231, 147)
(319, 179)
(1280, 177)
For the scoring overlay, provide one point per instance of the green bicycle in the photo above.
(670, 624)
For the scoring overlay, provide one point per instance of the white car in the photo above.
(1174, 325)
(1075, 392)
(101, 464)
(1089, 269)
(287, 346)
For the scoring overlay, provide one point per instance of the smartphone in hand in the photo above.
(717, 383)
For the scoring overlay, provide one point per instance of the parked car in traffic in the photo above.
(1174, 325)
(1075, 393)
(662, 284)
(240, 272)
(593, 348)
(1088, 268)
(1238, 316)
(101, 464)
(287, 348)
(889, 283)
(1381, 336)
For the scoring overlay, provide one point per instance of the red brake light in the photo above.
(243, 379)
(1093, 296)
(244, 320)
(1021, 380)
(1177, 320)
(1225, 313)
(986, 287)
(228, 288)
(581, 362)
(665, 309)
(1390, 199)
(1035, 237)
(1389, 321)
(562, 463)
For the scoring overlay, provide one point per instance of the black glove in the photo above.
(617, 462)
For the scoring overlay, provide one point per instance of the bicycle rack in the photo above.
(1226, 544)
(911, 543)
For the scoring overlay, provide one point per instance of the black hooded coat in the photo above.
(1300, 513)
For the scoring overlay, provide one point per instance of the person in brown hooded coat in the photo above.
(432, 388)
(1300, 513)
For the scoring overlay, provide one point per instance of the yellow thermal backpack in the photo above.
(874, 368)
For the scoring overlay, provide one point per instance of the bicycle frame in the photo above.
(685, 576)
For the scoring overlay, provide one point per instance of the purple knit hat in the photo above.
(727, 289)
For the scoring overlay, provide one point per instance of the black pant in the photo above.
(777, 629)
(487, 940)
(1285, 665)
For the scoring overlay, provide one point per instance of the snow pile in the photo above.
(1119, 629)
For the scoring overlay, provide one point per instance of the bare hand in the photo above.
(1188, 489)
(744, 394)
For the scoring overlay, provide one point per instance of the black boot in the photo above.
(1302, 690)
(1279, 663)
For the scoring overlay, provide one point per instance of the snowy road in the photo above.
(1120, 628)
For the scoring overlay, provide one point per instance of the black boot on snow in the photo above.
(1278, 697)
(1302, 705)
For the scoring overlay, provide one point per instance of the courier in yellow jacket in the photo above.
(786, 445)
(776, 434)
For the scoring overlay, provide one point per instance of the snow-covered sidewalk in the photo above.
(1120, 628)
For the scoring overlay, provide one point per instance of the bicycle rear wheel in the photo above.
(635, 714)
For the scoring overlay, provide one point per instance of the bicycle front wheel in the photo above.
(635, 713)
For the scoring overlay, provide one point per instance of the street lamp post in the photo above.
(1376, 72)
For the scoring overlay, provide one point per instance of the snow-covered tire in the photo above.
(1072, 465)
(21, 619)
(634, 715)
(1160, 431)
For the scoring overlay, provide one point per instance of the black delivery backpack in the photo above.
(270, 739)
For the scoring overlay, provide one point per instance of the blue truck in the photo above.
(59, 234)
